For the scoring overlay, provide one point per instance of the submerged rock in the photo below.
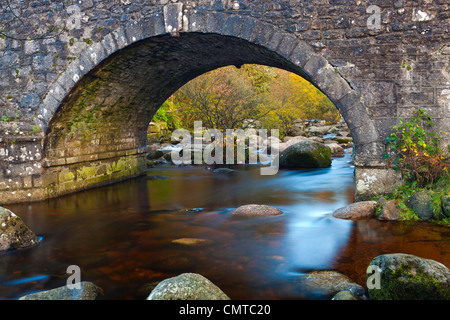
(357, 210)
(408, 277)
(193, 242)
(225, 170)
(305, 154)
(326, 284)
(187, 286)
(14, 233)
(87, 291)
(256, 210)
(156, 177)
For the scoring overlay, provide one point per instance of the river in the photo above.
(122, 235)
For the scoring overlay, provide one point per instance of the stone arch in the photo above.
(103, 158)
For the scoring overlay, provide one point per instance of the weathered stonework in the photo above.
(86, 91)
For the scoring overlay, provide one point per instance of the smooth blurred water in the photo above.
(121, 235)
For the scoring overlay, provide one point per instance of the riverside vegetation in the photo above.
(415, 152)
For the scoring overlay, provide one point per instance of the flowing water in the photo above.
(122, 236)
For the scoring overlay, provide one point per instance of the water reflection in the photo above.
(126, 237)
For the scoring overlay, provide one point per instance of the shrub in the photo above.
(415, 150)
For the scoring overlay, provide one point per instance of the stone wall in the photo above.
(82, 79)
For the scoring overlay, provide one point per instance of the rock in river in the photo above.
(87, 291)
(390, 211)
(325, 284)
(14, 233)
(256, 210)
(408, 277)
(336, 149)
(187, 286)
(305, 154)
(345, 295)
(357, 210)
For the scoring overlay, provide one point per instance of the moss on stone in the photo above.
(407, 277)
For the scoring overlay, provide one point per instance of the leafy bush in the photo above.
(166, 114)
(415, 150)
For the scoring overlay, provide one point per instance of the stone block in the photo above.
(120, 38)
(215, 22)
(369, 155)
(314, 64)
(301, 53)
(159, 24)
(232, 25)
(247, 28)
(264, 35)
(173, 18)
(197, 20)
(370, 182)
(287, 45)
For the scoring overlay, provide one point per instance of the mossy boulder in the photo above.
(305, 154)
(187, 286)
(87, 291)
(445, 201)
(408, 277)
(14, 234)
(422, 205)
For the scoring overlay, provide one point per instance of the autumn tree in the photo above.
(222, 99)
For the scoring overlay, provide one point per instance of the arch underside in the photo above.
(112, 105)
(97, 135)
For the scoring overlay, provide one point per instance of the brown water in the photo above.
(121, 235)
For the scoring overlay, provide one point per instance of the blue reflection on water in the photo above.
(26, 280)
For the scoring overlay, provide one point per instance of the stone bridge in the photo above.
(81, 80)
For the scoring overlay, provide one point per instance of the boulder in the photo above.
(389, 211)
(14, 234)
(345, 295)
(305, 154)
(289, 141)
(343, 140)
(357, 210)
(87, 291)
(408, 277)
(154, 154)
(336, 150)
(445, 201)
(333, 129)
(421, 203)
(317, 130)
(256, 210)
(187, 286)
(325, 284)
